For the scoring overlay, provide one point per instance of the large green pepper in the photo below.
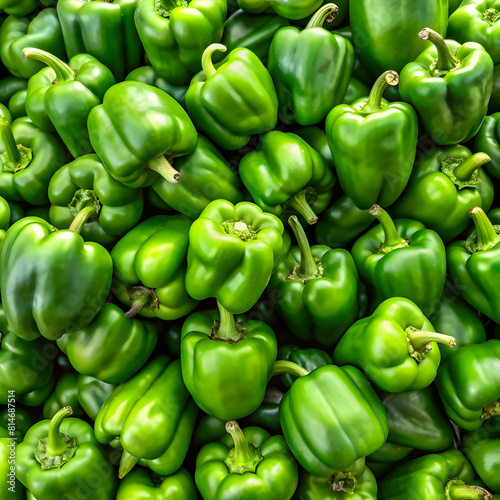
(65, 393)
(150, 265)
(387, 30)
(104, 29)
(402, 259)
(285, 174)
(69, 464)
(247, 464)
(237, 100)
(315, 290)
(61, 95)
(139, 485)
(86, 182)
(52, 281)
(175, 34)
(113, 347)
(206, 176)
(226, 365)
(462, 73)
(445, 184)
(370, 168)
(310, 68)
(136, 131)
(487, 141)
(233, 251)
(395, 346)
(469, 384)
(472, 265)
(29, 159)
(43, 32)
(18, 8)
(92, 394)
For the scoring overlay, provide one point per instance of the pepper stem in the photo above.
(308, 265)
(374, 102)
(465, 170)
(487, 236)
(325, 14)
(391, 236)
(206, 58)
(63, 72)
(163, 167)
(298, 202)
(281, 367)
(343, 481)
(244, 457)
(56, 445)
(86, 213)
(165, 7)
(445, 61)
(420, 338)
(141, 297)
(127, 463)
(16, 157)
(228, 329)
(491, 410)
(457, 491)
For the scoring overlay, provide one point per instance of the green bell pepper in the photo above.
(85, 182)
(395, 346)
(462, 73)
(69, 464)
(310, 69)
(284, 174)
(113, 347)
(487, 141)
(65, 394)
(17, 104)
(150, 266)
(206, 176)
(175, 34)
(471, 264)
(401, 259)
(233, 251)
(92, 394)
(29, 159)
(237, 100)
(52, 282)
(315, 290)
(104, 29)
(370, 168)
(18, 8)
(9, 85)
(386, 32)
(445, 184)
(137, 131)
(226, 365)
(469, 384)
(249, 463)
(61, 95)
(43, 32)
(139, 485)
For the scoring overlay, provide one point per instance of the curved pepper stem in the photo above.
(228, 329)
(162, 166)
(420, 342)
(446, 61)
(487, 236)
(280, 367)
(84, 205)
(206, 59)
(374, 102)
(165, 7)
(16, 157)
(308, 267)
(392, 239)
(63, 72)
(141, 297)
(465, 170)
(244, 457)
(56, 445)
(127, 463)
(325, 14)
(298, 202)
(457, 490)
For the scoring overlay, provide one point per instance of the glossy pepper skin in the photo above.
(139, 126)
(315, 290)
(249, 463)
(84, 182)
(370, 168)
(150, 266)
(61, 95)
(226, 365)
(139, 485)
(462, 73)
(9, 85)
(285, 174)
(76, 448)
(401, 259)
(29, 159)
(174, 35)
(65, 393)
(388, 30)
(104, 30)
(445, 184)
(310, 69)
(395, 346)
(487, 141)
(237, 100)
(17, 104)
(92, 394)
(206, 176)
(469, 384)
(472, 264)
(113, 347)
(233, 251)
(43, 32)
